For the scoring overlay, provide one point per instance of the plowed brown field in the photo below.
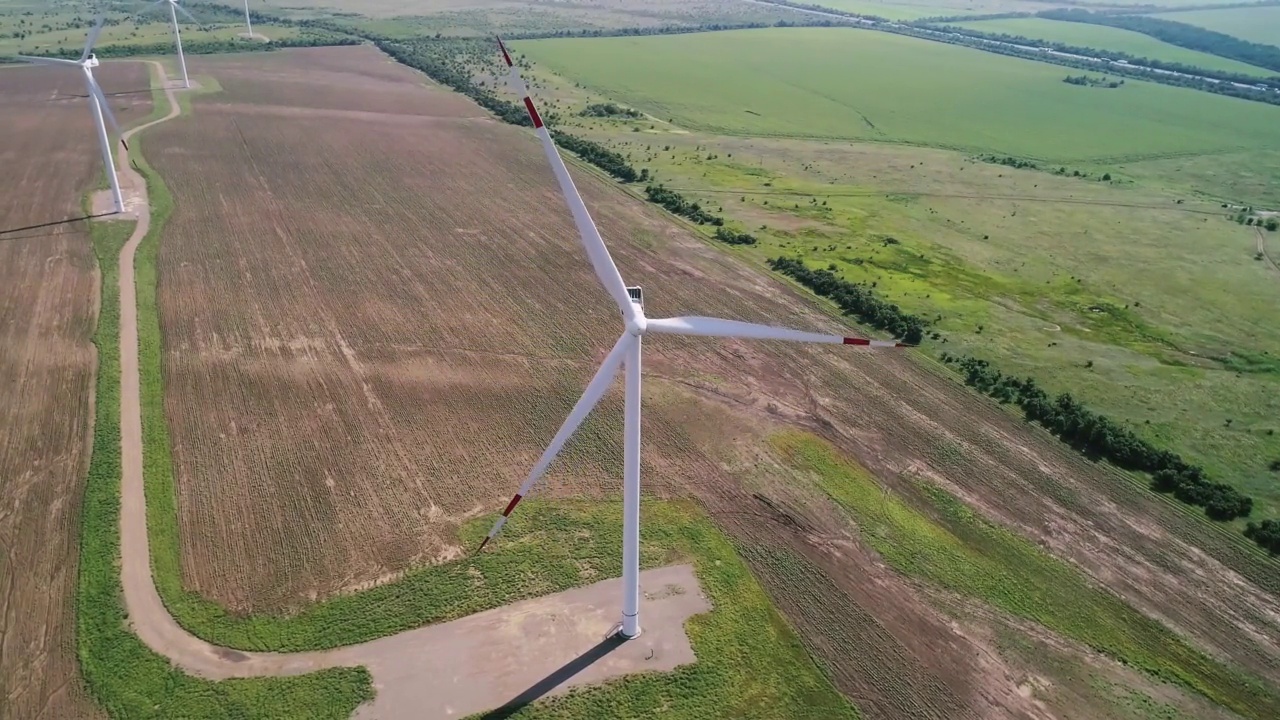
(48, 299)
(376, 312)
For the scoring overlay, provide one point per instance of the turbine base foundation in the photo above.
(103, 207)
(510, 656)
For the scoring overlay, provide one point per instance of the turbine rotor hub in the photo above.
(638, 325)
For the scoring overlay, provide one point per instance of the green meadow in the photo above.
(1108, 38)
(849, 84)
(1255, 24)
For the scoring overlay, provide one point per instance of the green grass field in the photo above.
(958, 550)
(1109, 38)
(852, 84)
(1257, 24)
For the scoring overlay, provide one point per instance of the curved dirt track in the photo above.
(425, 670)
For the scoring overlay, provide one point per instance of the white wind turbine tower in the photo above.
(626, 351)
(174, 9)
(97, 102)
(248, 23)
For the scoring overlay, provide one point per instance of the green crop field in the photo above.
(852, 84)
(1109, 38)
(1256, 24)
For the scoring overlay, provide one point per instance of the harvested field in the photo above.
(375, 313)
(48, 297)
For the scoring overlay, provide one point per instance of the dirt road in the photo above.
(447, 670)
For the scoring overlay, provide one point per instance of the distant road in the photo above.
(941, 36)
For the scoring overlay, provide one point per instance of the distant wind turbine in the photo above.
(98, 102)
(247, 22)
(626, 351)
(174, 9)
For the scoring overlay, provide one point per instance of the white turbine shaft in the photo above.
(103, 140)
(631, 496)
(177, 40)
(597, 253)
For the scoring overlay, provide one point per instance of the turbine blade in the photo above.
(716, 327)
(93, 38)
(96, 91)
(46, 60)
(596, 389)
(189, 15)
(597, 253)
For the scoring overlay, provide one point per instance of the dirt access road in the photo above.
(448, 670)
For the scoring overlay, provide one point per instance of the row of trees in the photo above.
(1180, 34)
(732, 237)
(855, 299)
(439, 60)
(600, 156)
(1099, 436)
(1203, 80)
(676, 204)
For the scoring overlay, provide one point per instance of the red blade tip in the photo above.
(486, 542)
(856, 341)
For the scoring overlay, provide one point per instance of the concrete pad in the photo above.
(514, 655)
(135, 204)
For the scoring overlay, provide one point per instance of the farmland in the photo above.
(1256, 24)
(1108, 38)
(329, 438)
(47, 308)
(805, 82)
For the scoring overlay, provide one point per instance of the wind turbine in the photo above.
(98, 102)
(626, 351)
(248, 23)
(174, 9)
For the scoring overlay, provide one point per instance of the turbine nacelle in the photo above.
(91, 61)
(637, 324)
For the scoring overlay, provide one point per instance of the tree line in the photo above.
(732, 237)
(1180, 34)
(1099, 436)
(438, 59)
(676, 204)
(855, 299)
